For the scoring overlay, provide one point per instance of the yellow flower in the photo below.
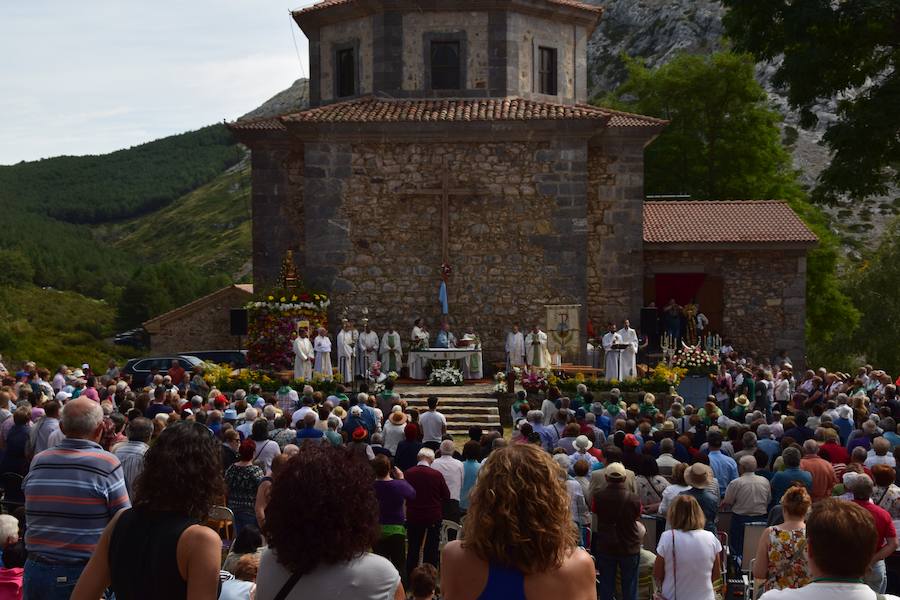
(294, 298)
(282, 299)
(270, 298)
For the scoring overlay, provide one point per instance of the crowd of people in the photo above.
(361, 495)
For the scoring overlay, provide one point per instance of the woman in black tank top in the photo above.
(147, 551)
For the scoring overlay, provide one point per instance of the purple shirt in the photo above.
(391, 495)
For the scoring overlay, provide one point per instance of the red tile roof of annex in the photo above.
(725, 221)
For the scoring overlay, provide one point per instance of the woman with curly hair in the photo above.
(307, 560)
(160, 547)
(516, 544)
(243, 479)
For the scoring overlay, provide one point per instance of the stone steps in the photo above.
(463, 409)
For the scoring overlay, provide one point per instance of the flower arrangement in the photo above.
(226, 379)
(535, 382)
(446, 375)
(500, 385)
(696, 361)
(273, 320)
(393, 375)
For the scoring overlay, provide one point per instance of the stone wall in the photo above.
(615, 221)
(570, 41)
(764, 305)
(277, 172)
(207, 327)
(474, 27)
(516, 245)
(356, 33)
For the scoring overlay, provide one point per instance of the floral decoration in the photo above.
(446, 375)
(696, 361)
(272, 322)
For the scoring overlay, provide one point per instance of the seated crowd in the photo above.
(360, 495)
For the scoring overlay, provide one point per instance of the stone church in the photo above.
(458, 133)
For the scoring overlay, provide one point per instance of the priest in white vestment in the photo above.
(537, 355)
(346, 352)
(611, 363)
(322, 348)
(629, 355)
(420, 334)
(304, 355)
(391, 352)
(366, 350)
(515, 348)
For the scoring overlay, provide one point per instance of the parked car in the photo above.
(236, 358)
(139, 368)
(136, 338)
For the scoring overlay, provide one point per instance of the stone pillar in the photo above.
(277, 194)
(615, 263)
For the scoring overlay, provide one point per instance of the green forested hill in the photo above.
(122, 184)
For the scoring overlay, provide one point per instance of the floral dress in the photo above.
(888, 498)
(788, 566)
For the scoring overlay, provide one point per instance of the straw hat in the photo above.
(742, 400)
(582, 443)
(698, 476)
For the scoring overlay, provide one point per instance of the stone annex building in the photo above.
(459, 132)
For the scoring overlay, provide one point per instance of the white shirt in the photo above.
(368, 577)
(432, 423)
(826, 590)
(689, 563)
(452, 470)
(873, 459)
(299, 414)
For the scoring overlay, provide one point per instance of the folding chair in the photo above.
(221, 520)
(654, 525)
(446, 528)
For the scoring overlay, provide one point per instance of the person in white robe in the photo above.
(304, 355)
(515, 348)
(346, 351)
(629, 355)
(420, 334)
(611, 362)
(366, 350)
(391, 352)
(419, 340)
(538, 356)
(322, 348)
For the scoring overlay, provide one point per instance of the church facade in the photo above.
(458, 135)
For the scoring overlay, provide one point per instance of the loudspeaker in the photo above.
(649, 323)
(238, 321)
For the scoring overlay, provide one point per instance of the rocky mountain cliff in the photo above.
(656, 30)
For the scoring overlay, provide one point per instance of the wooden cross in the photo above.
(444, 192)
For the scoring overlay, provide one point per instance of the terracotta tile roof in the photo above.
(377, 110)
(269, 124)
(330, 3)
(717, 222)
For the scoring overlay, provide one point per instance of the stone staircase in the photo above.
(463, 407)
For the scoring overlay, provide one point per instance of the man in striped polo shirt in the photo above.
(71, 493)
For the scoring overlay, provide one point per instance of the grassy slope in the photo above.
(207, 228)
(52, 327)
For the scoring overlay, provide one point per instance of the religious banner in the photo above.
(564, 332)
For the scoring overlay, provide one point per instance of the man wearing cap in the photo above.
(698, 476)
(613, 455)
(617, 537)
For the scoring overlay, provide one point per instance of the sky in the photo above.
(93, 76)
